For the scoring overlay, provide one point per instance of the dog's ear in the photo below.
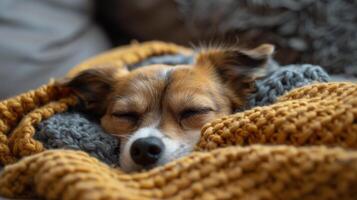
(93, 87)
(236, 67)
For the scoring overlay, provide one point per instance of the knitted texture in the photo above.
(19, 115)
(76, 131)
(254, 172)
(319, 114)
(230, 166)
(285, 79)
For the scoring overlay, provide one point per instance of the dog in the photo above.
(157, 110)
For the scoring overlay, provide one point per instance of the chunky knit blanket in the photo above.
(300, 147)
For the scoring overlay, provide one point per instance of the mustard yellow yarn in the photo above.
(319, 114)
(13, 110)
(254, 172)
(309, 152)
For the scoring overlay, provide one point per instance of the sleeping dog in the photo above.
(157, 110)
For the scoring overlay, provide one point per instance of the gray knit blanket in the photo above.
(74, 130)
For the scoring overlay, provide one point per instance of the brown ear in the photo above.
(236, 67)
(93, 87)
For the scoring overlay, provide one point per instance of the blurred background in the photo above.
(40, 39)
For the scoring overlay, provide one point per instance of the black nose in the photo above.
(146, 151)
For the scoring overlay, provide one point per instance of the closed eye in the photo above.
(130, 116)
(189, 112)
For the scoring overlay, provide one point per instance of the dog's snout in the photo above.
(146, 151)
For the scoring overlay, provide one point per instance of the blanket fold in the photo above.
(254, 172)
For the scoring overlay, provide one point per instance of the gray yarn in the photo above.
(75, 131)
(284, 79)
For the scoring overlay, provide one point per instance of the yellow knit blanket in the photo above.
(301, 147)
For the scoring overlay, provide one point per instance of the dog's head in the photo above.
(157, 111)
